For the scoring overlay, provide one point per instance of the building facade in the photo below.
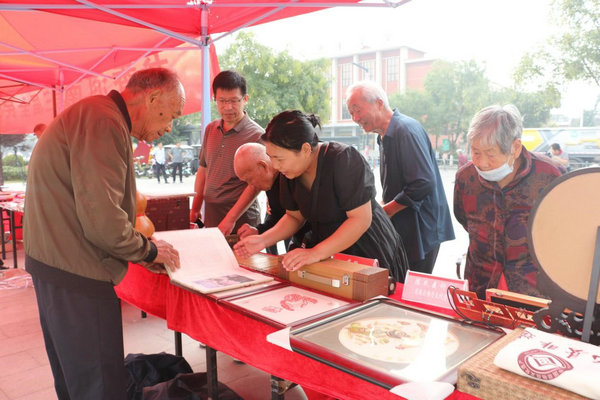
(395, 69)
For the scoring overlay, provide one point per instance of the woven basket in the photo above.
(479, 377)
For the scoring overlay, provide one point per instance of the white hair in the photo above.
(497, 125)
(370, 92)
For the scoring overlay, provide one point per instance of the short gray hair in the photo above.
(496, 124)
(153, 78)
(370, 91)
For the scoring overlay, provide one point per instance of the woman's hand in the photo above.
(246, 230)
(300, 257)
(248, 246)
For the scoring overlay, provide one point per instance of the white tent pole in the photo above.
(205, 70)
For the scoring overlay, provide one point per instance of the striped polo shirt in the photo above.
(216, 155)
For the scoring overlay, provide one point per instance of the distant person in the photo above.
(462, 158)
(331, 186)
(253, 166)
(160, 159)
(176, 155)
(559, 155)
(38, 130)
(79, 231)
(413, 194)
(228, 202)
(493, 198)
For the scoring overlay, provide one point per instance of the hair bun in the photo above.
(314, 120)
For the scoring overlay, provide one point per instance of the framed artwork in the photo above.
(285, 306)
(388, 344)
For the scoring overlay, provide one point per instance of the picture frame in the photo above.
(387, 343)
(287, 305)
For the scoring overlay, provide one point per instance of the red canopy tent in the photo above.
(74, 48)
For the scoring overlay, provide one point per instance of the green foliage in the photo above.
(14, 161)
(12, 173)
(453, 94)
(574, 53)
(186, 129)
(534, 106)
(276, 81)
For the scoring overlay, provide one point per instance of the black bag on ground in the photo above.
(186, 387)
(149, 369)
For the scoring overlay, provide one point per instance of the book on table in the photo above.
(208, 264)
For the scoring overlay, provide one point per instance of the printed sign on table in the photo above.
(429, 289)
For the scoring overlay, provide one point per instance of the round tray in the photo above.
(562, 236)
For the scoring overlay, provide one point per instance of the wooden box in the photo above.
(266, 263)
(479, 377)
(169, 213)
(341, 278)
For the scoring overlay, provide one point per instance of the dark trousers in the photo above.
(426, 265)
(83, 333)
(178, 166)
(160, 169)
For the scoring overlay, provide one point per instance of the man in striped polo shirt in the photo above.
(228, 202)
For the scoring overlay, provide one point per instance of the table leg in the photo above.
(211, 373)
(178, 346)
(14, 237)
(2, 230)
(278, 388)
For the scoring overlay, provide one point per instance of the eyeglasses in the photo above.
(232, 102)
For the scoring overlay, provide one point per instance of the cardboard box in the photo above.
(479, 377)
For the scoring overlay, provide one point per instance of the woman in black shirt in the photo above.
(331, 186)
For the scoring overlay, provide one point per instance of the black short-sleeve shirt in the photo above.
(343, 182)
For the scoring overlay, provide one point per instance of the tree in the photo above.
(454, 92)
(8, 141)
(534, 106)
(277, 81)
(574, 53)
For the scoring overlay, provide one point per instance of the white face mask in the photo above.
(497, 174)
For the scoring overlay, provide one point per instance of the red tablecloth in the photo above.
(244, 338)
(145, 290)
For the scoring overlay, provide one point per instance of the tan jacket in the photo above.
(80, 199)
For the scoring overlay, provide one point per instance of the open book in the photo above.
(207, 262)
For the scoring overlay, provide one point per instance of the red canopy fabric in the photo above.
(87, 47)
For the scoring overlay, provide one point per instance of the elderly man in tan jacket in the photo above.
(79, 228)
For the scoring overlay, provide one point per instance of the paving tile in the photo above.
(20, 343)
(17, 327)
(46, 394)
(17, 363)
(28, 382)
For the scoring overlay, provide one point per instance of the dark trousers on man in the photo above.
(178, 166)
(160, 169)
(426, 265)
(83, 333)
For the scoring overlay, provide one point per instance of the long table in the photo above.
(242, 337)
